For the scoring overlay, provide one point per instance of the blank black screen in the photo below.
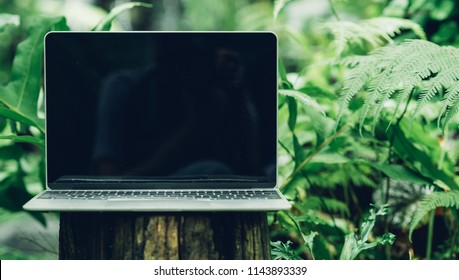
(161, 105)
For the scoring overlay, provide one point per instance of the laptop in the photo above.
(160, 121)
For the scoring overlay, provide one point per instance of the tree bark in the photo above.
(173, 236)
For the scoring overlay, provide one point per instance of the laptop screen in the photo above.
(161, 107)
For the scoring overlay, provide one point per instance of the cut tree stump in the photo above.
(170, 236)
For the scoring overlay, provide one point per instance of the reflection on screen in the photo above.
(161, 105)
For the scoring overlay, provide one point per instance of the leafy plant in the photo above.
(283, 251)
(19, 104)
(374, 32)
(106, 23)
(354, 245)
(397, 72)
(20, 95)
(431, 202)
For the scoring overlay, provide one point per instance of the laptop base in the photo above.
(156, 205)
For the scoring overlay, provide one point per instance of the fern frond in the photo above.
(401, 78)
(431, 202)
(389, 27)
(452, 111)
(303, 98)
(397, 71)
(449, 105)
(357, 79)
(376, 32)
(447, 70)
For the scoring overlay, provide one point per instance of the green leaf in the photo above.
(317, 92)
(8, 37)
(298, 151)
(350, 247)
(308, 239)
(329, 158)
(283, 251)
(323, 125)
(286, 220)
(293, 114)
(311, 103)
(431, 202)
(20, 95)
(285, 84)
(39, 217)
(397, 72)
(374, 32)
(399, 172)
(25, 139)
(418, 159)
(106, 23)
(12, 115)
(278, 5)
(353, 244)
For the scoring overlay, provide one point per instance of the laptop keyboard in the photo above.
(162, 194)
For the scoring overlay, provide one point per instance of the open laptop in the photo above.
(160, 121)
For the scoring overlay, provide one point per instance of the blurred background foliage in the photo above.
(365, 186)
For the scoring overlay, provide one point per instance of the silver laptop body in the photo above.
(160, 121)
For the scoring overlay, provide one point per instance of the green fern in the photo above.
(395, 71)
(431, 202)
(375, 32)
(283, 251)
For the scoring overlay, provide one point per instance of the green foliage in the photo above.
(8, 31)
(303, 98)
(25, 139)
(374, 32)
(329, 205)
(354, 245)
(293, 222)
(106, 23)
(396, 71)
(20, 95)
(278, 5)
(418, 159)
(401, 173)
(283, 251)
(431, 202)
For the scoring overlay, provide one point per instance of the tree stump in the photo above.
(171, 236)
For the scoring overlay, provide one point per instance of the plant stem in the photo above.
(309, 158)
(387, 247)
(338, 231)
(430, 228)
(430, 235)
(313, 187)
(388, 180)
